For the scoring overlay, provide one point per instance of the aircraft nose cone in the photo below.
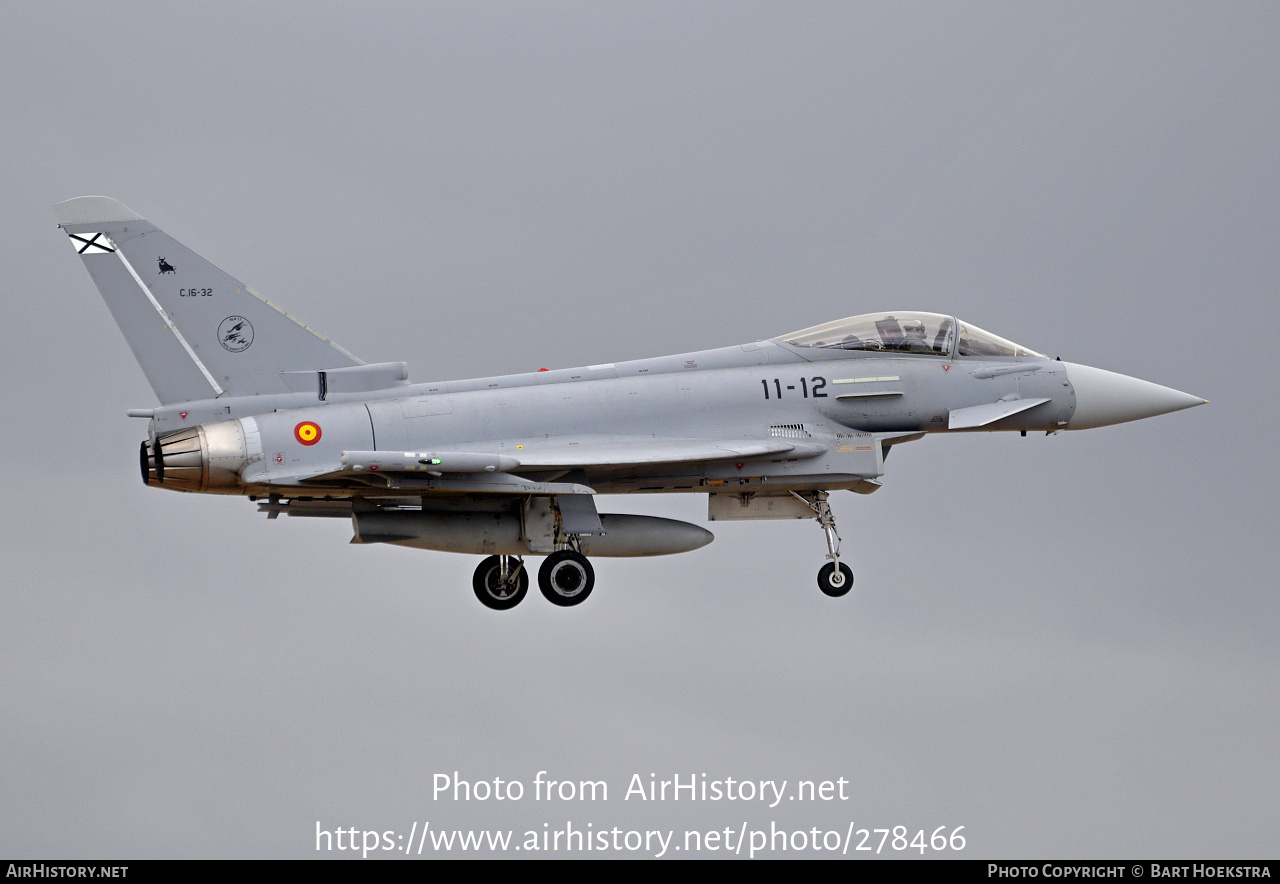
(1104, 397)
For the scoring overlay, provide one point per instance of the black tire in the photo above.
(566, 578)
(832, 584)
(487, 583)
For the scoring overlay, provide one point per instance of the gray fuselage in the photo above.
(839, 400)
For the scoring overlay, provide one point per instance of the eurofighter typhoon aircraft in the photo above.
(253, 402)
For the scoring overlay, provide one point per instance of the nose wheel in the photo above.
(500, 582)
(566, 578)
(835, 579)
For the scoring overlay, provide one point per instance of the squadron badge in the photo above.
(235, 334)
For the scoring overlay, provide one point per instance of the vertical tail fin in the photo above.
(197, 332)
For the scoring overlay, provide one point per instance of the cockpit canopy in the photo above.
(930, 334)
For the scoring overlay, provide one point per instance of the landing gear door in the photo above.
(578, 514)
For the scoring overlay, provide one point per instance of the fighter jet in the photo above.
(254, 403)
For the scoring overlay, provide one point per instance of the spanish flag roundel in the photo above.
(307, 432)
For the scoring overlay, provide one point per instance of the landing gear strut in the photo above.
(566, 578)
(500, 582)
(835, 578)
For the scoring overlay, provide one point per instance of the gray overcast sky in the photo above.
(1067, 645)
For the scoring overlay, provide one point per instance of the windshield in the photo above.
(976, 342)
(903, 332)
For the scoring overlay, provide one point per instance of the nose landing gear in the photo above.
(835, 578)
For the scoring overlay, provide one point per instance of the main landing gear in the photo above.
(566, 578)
(500, 582)
(835, 578)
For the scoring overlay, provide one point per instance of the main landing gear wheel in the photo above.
(835, 579)
(493, 590)
(566, 578)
